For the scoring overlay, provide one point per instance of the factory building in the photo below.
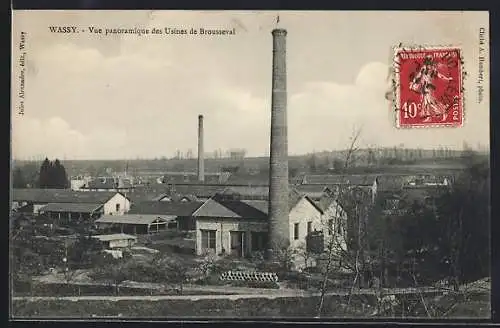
(237, 224)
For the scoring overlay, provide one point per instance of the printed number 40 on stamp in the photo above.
(428, 86)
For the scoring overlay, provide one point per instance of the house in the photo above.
(114, 203)
(229, 224)
(137, 224)
(114, 241)
(181, 210)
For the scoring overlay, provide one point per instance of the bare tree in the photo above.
(333, 247)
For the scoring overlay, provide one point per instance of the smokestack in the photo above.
(278, 162)
(201, 159)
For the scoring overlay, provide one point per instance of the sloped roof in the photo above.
(259, 179)
(61, 196)
(257, 192)
(102, 183)
(335, 179)
(165, 208)
(392, 182)
(229, 209)
(222, 207)
(324, 202)
(142, 196)
(115, 236)
(198, 190)
(71, 207)
(134, 218)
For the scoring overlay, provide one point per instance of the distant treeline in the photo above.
(323, 163)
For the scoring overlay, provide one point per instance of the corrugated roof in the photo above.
(165, 208)
(134, 218)
(61, 196)
(71, 207)
(116, 236)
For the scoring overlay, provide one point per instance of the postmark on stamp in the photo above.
(428, 86)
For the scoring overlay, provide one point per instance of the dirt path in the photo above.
(267, 293)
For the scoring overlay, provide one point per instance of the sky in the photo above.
(92, 96)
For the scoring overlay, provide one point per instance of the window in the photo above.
(259, 241)
(392, 204)
(330, 226)
(309, 227)
(339, 227)
(117, 207)
(208, 239)
(296, 231)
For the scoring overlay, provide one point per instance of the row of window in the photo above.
(259, 239)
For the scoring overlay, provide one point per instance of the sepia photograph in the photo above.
(250, 164)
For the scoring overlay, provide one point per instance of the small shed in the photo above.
(119, 240)
(136, 223)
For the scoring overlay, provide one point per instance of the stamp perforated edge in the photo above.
(395, 104)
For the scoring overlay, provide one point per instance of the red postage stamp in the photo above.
(428, 86)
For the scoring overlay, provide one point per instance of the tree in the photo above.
(116, 272)
(59, 176)
(18, 180)
(465, 213)
(44, 178)
(333, 248)
(53, 175)
(172, 270)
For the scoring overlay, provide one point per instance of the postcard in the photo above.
(221, 164)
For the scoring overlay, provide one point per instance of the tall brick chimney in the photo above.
(279, 230)
(201, 159)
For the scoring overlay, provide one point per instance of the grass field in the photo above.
(474, 306)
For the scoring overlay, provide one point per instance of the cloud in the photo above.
(324, 114)
(52, 138)
(129, 96)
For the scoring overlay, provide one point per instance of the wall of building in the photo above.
(120, 243)
(301, 214)
(223, 228)
(37, 207)
(338, 215)
(110, 206)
